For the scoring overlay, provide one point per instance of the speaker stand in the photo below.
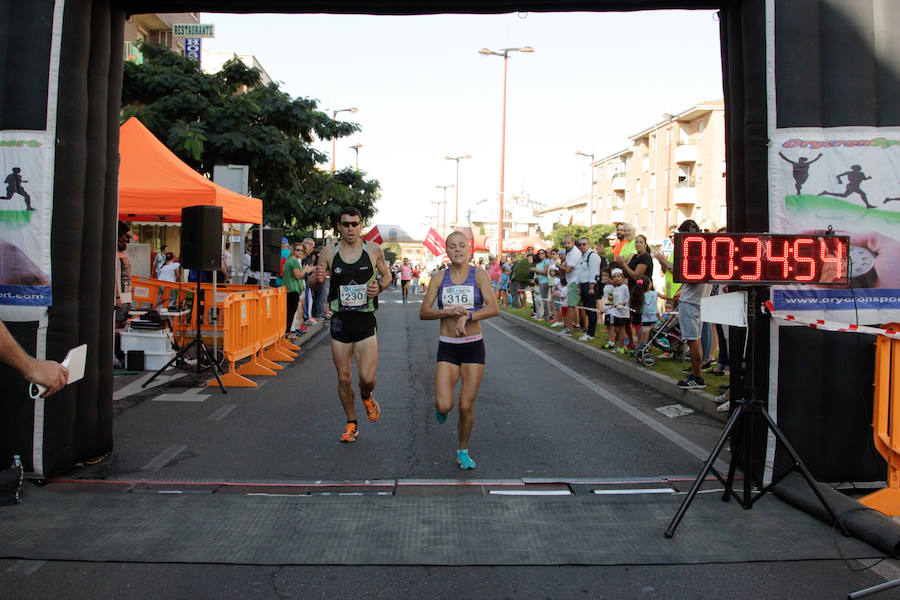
(202, 350)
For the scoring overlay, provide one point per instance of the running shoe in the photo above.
(350, 433)
(311, 321)
(608, 346)
(440, 417)
(463, 460)
(566, 331)
(372, 409)
(586, 337)
(690, 382)
(725, 407)
(557, 324)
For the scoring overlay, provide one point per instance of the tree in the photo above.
(594, 234)
(231, 118)
(391, 252)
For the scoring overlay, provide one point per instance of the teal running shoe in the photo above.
(440, 417)
(463, 460)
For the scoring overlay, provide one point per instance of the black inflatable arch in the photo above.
(79, 425)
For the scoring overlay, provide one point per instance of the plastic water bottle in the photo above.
(17, 461)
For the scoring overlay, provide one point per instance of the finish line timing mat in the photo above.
(278, 529)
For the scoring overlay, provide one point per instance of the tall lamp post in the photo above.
(457, 159)
(356, 147)
(444, 187)
(504, 52)
(591, 177)
(334, 114)
(669, 140)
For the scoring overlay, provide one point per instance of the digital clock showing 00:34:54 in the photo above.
(761, 258)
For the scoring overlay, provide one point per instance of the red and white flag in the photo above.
(373, 235)
(434, 242)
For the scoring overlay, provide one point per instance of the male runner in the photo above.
(352, 295)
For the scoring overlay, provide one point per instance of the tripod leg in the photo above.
(213, 365)
(874, 589)
(707, 467)
(798, 462)
(178, 356)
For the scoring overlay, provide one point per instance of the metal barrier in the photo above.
(886, 422)
(272, 318)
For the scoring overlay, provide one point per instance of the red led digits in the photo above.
(774, 258)
(838, 258)
(693, 261)
(804, 257)
(762, 258)
(722, 260)
(754, 257)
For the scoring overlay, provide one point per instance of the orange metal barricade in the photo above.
(240, 326)
(886, 422)
(272, 321)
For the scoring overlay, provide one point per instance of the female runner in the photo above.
(464, 298)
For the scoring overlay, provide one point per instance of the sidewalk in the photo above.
(698, 400)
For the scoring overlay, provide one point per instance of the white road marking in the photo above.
(164, 458)
(636, 491)
(222, 412)
(135, 386)
(674, 437)
(190, 395)
(25, 567)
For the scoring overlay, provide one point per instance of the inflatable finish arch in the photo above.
(61, 83)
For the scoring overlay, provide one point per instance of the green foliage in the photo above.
(594, 234)
(391, 252)
(231, 118)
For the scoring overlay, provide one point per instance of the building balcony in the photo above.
(685, 193)
(686, 151)
(618, 183)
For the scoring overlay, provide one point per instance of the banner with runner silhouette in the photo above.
(846, 178)
(26, 164)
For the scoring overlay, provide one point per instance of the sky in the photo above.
(423, 93)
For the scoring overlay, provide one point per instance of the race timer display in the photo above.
(761, 258)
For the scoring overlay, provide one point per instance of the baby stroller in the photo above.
(665, 335)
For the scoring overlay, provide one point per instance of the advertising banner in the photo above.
(434, 242)
(26, 167)
(846, 179)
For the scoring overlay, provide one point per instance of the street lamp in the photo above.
(457, 159)
(669, 141)
(356, 147)
(334, 114)
(504, 52)
(591, 177)
(444, 187)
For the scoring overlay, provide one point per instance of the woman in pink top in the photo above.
(405, 278)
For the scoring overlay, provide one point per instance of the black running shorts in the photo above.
(349, 326)
(470, 352)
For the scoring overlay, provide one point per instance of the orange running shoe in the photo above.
(350, 433)
(372, 408)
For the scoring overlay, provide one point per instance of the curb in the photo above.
(700, 401)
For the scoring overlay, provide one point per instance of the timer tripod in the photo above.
(741, 430)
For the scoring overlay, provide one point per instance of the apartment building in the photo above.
(156, 28)
(672, 171)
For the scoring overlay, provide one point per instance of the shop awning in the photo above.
(154, 184)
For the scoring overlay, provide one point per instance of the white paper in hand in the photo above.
(74, 362)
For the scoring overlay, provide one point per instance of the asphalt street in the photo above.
(545, 413)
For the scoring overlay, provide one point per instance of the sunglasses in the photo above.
(350, 223)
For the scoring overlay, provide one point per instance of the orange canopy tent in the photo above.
(154, 185)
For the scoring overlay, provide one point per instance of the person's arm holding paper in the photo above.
(47, 373)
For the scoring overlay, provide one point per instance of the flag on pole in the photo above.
(373, 235)
(434, 242)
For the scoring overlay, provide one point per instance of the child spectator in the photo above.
(504, 288)
(649, 314)
(560, 295)
(635, 308)
(621, 297)
(607, 305)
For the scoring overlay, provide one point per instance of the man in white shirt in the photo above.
(689, 297)
(587, 272)
(573, 257)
